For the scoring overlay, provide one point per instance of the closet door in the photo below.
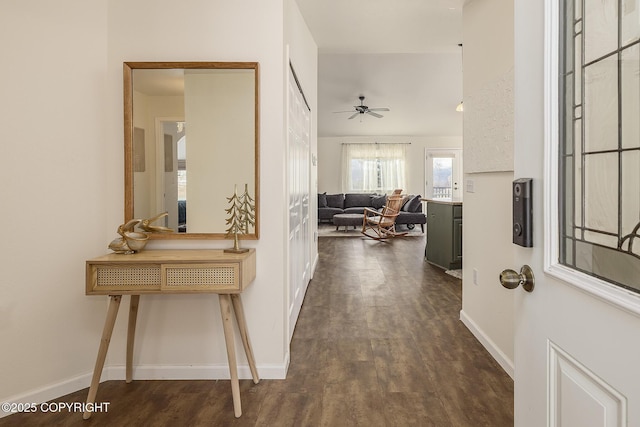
(298, 134)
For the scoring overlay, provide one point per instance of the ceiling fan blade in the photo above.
(354, 115)
(350, 111)
(379, 109)
(374, 114)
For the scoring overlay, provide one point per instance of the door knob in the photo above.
(511, 280)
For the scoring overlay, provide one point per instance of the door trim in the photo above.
(605, 291)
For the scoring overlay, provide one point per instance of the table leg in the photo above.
(109, 322)
(225, 311)
(242, 326)
(131, 333)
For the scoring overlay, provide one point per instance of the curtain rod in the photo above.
(355, 143)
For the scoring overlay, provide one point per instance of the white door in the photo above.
(443, 174)
(298, 136)
(577, 338)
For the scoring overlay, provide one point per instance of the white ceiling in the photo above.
(400, 54)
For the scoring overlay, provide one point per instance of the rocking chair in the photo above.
(383, 224)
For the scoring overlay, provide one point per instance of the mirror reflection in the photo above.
(191, 137)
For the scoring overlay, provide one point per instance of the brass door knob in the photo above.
(511, 280)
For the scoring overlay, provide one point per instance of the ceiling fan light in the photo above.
(460, 107)
(363, 109)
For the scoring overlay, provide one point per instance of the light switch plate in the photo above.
(471, 186)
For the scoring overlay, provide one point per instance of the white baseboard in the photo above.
(50, 392)
(492, 348)
(314, 265)
(146, 372)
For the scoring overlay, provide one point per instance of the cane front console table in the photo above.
(173, 272)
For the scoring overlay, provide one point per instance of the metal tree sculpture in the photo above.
(247, 210)
(241, 215)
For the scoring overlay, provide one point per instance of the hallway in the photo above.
(378, 343)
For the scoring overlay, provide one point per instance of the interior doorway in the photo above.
(171, 171)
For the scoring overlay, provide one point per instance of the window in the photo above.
(600, 140)
(373, 168)
(442, 171)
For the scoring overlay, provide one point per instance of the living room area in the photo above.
(412, 101)
(421, 92)
(361, 160)
(338, 196)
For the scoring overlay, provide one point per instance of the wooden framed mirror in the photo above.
(191, 136)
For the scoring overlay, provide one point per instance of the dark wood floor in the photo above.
(378, 343)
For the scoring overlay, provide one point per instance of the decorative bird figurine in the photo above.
(136, 241)
(129, 241)
(145, 224)
(128, 227)
(119, 246)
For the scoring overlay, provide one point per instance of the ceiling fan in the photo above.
(363, 109)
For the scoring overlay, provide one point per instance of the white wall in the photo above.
(56, 210)
(63, 151)
(220, 144)
(330, 159)
(487, 307)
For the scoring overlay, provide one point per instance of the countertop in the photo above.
(446, 201)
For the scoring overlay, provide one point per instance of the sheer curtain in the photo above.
(373, 168)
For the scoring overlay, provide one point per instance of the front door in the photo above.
(577, 346)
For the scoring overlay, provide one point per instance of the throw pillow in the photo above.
(322, 200)
(405, 201)
(335, 201)
(378, 202)
(414, 204)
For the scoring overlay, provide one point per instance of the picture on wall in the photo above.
(138, 150)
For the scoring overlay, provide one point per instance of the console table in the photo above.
(173, 272)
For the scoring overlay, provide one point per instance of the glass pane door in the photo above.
(443, 170)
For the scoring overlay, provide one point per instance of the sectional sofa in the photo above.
(354, 203)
